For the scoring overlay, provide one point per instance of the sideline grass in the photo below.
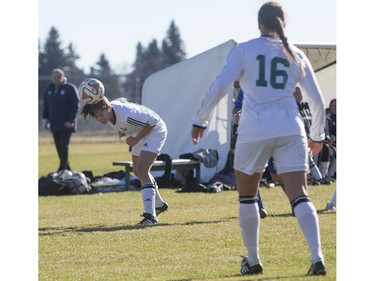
(93, 153)
(93, 237)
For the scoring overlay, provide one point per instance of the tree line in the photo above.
(148, 60)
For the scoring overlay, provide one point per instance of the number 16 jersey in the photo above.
(268, 76)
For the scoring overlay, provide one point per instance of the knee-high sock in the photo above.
(314, 170)
(323, 167)
(148, 197)
(158, 200)
(307, 217)
(333, 198)
(249, 223)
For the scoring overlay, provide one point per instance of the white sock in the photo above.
(315, 172)
(323, 167)
(307, 217)
(148, 197)
(333, 199)
(249, 223)
(158, 200)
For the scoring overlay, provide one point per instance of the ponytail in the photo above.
(271, 16)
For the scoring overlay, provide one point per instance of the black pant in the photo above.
(62, 140)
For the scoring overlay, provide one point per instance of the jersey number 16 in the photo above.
(278, 77)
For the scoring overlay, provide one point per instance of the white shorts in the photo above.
(290, 154)
(153, 142)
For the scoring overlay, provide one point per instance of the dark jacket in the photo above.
(61, 106)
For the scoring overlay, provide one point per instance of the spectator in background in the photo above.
(331, 141)
(327, 157)
(60, 114)
(331, 136)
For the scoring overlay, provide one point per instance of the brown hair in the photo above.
(272, 17)
(88, 110)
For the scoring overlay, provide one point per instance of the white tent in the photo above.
(323, 60)
(176, 92)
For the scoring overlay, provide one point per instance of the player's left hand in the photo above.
(45, 123)
(315, 147)
(132, 141)
(68, 125)
(196, 134)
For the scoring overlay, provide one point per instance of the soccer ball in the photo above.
(91, 91)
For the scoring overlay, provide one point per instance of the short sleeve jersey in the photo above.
(132, 117)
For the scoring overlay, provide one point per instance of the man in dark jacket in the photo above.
(60, 114)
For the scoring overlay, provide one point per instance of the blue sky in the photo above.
(115, 27)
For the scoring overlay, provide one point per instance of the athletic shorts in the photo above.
(290, 154)
(153, 142)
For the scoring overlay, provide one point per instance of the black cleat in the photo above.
(317, 268)
(162, 208)
(247, 269)
(148, 220)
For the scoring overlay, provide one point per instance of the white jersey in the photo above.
(268, 78)
(132, 117)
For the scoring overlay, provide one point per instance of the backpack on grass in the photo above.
(64, 182)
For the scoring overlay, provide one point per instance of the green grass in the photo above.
(93, 237)
(93, 153)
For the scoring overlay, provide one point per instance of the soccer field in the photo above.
(94, 237)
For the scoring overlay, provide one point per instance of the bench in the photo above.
(177, 164)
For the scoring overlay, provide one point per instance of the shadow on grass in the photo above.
(251, 277)
(279, 215)
(320, 212)
(44, 231)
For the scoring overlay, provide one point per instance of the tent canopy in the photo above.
(323, 61)
(321, 56)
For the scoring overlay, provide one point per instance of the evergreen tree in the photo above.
(105, 74)
(104, 68)
(152, 59)
(173, 47)
(139, 61)
(70, 68)
(52, 55)
(131, 85)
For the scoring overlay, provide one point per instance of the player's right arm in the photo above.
(218, 89)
